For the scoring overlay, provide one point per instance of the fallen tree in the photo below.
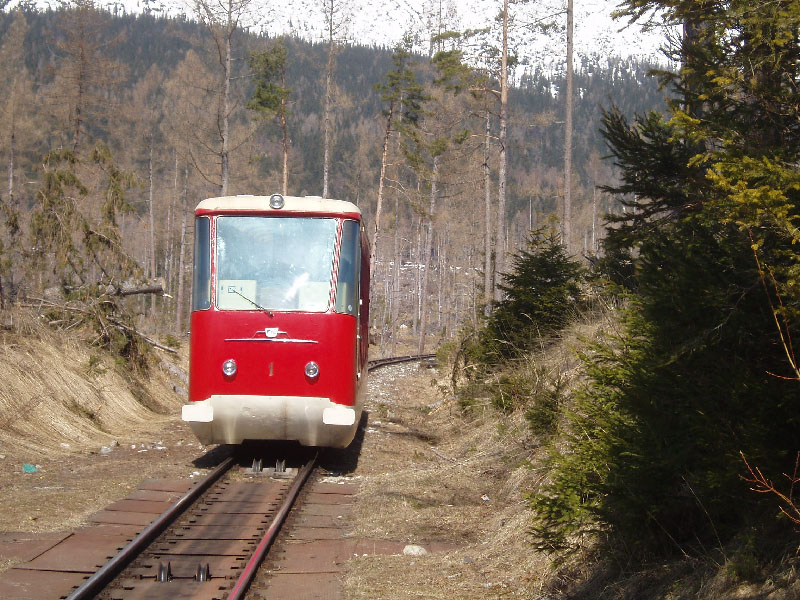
(98, 307)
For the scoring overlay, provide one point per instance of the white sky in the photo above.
(381, 23)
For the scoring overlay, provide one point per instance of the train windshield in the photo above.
(278, 263)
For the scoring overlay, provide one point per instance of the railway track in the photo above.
(210, 542)
(394, 360)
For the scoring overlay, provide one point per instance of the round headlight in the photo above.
(229, 367)
(312, 369)
(276, 201)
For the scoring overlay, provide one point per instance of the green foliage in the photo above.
(171, 341)
(60, 223)
(545, 407)
(455, 75)
(113, 202)
(522, 385)
(511, 391)
(400, 91)
(269, 98)
(684, 392)
(71, 245)
(500, 371)
(541, 291)
(704, 369)
(567, 509)
(658, 183)
(744, 563)
(56, 215)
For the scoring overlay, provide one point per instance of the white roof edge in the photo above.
(291, 203)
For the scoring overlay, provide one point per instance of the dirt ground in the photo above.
(429, 474)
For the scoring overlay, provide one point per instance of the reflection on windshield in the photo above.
(278, 263)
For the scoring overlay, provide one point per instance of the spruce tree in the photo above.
(541, 292)
(705, 369)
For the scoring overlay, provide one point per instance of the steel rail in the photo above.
(104, 576)
(249, 572)
(383, 362)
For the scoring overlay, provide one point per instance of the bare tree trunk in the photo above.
(12, 124)
(395, 316)
(11, 203)
(222, 20)
(181, 266)
(447, 297)
(567, 237)
(384, 315)
(181, 254)
(488, 279)
(417, 259)
(328, 102)
(226, 105)
(377, 228)
(285, 131)
(439, 291)
(501, 196)
(427, 250)
(594, 220)
(152, 230)
(76, 136)
(170, 244)
(474, 294)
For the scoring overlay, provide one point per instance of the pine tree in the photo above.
(404, 98)
(270, 98)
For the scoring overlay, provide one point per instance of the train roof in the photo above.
(312, 204)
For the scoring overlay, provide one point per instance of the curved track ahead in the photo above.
(385, 362)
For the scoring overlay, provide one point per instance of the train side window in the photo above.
(201, 280)
(349, 270)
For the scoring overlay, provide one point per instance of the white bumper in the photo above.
(311, 421)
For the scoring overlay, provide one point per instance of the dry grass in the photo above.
(433, 472)
(58, 397)
(61, 402)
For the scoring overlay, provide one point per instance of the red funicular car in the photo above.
(280, 310)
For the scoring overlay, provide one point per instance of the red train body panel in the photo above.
(273, 367)
(279, 321)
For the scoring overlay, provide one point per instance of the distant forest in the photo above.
(147, 87)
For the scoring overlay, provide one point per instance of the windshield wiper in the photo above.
(253, 302)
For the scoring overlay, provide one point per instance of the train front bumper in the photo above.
(309, 420)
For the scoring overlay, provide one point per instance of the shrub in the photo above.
(652, 459)
(541, 291)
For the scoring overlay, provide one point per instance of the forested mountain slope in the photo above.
(149, 88)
